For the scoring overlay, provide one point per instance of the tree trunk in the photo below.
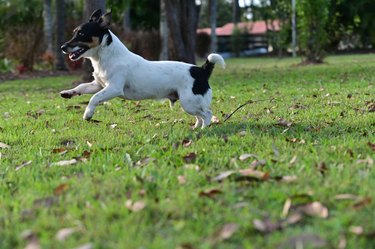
(164, 32)
(182, 19)
(213, 14)
(126, 24)
(60, 37)
(89, 7)
(236, 12)
(47, 26)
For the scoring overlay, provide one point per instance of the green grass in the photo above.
(334, 123)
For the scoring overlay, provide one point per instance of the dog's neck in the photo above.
(108, 50)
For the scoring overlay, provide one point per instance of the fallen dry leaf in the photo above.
(64, 233)
(346, 197)
(254, 174)
(215, 120)
(4, 146)
(65, 162)
(322, 167)
(32, 241)
(286, 179)
(286, 208)
(113, 126)
(224, 175)
(371, 145)
(60, 151)
(284, 123)
(370, 106)
(224, 233)
(186, 142)
(368, 161)
(244, 157)
(189, 158)
(315, 209)
(192, 167)
(46, 202)
(62, 188)
(295, 140)
(24, 164)
(85, 246)
(144, 161)
(362, 203)
(181, 180)
(257, 163)
(293, 160)
(266, 225)
(135, 206)
(210, 192)
(304, 241)
(358, 230)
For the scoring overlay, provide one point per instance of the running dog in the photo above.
(121, 73)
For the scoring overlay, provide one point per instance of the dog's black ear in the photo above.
(95, 15)
(105, 20)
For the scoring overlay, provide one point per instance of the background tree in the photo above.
(60, 34)
(312, 21)
(223, 10)
(164, 32)
(213, 13)
(182, 19)
(47, 25)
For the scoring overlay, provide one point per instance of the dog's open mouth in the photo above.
(77, 53)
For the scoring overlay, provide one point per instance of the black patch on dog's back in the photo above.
(201, 76)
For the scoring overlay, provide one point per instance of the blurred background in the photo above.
(32, 31)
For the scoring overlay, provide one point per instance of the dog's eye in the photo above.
(80, 34)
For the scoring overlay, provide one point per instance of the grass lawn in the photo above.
(296, 171)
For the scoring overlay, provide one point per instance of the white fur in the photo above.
(121, 73)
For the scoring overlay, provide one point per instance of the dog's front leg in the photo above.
(107, 93)
(85, 88)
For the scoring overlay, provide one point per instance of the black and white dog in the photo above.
(121, 73)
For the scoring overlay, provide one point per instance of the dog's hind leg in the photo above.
(198, 123)
(207, 115)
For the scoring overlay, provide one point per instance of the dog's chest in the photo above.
(100, 78)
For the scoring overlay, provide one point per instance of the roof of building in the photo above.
(254, 28)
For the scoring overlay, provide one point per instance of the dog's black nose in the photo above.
(64, 48)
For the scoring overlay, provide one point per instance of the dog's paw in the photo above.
(66, 94)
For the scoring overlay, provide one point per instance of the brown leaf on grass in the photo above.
(342, 242)
(215, 120)
(314, 209)
(322, 167)
(4, 146)
(186, 142)
(286, 207)
(244, 157)
(89, 144)
(346, 197)
(189, 158)
(304, 241)
(371, 145)
(36, 114)
(65, 162)
(185, 246)
(284, 123)
(211, 193)
(24, 164)
(32, 241)
(224, 175)
(257, 163)
(67, 143)
(297, 106)
(135, 206)
(362, 203)
(293, 160)
(256, 174)
(357, 230)
(85, 246)
(368, 161)
(46, 202)
(295, 140)
(267, 226)
(285, 179)
(223, 233)
(86, 154)
(144, 161)
(60, 151)
(64, 233)
(62, 188)
(370, 106)
(181, 180)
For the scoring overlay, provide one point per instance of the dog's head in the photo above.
(88, 36)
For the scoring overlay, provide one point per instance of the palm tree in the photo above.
(213, 14)
(164, 33)
(47, 25)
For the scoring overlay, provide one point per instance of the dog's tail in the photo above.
(212, 59)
